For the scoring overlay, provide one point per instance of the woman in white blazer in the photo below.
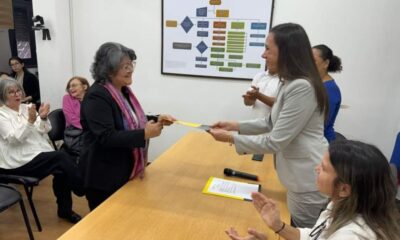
(294, 132)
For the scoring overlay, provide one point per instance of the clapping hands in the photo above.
(250, 96)
(44, 110)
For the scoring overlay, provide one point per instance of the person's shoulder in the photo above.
(97, 90)
(67, 97)
(70, 99)
(29, 75)
(3, 110)
(332, 83)
(299, 83)
(259, 77)
(357, 229)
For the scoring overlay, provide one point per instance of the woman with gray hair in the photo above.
(26, 151)
(115, 129)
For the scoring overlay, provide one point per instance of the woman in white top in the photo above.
(26, 151)
(356, 177)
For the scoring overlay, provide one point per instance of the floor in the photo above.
(12, 225)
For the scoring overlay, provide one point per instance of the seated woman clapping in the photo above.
(26, 150)
(356, 176)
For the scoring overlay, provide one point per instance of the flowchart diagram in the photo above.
(217, 38)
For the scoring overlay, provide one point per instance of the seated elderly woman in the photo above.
(71, 106)
(26, 151)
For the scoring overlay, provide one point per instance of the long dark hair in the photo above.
(325, 53)
(295, 59)
(18, 59)
(367, 171)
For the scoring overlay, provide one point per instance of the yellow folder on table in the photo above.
(230, 189)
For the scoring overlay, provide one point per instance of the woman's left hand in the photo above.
(254, 235)
(221, 135)
(268, 210)
(253, 93)
(44, 110)
(166, 119)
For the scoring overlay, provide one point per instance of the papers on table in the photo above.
(230, 189)
(194, 125)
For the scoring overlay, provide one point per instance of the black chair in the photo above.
(57, 120)
(10, 196)
(339, 136)
(28, 183)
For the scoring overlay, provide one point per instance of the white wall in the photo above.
(5, 51)
(362, 32)
(54, 57)
(137, 24)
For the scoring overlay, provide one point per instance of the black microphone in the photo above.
(231, 172)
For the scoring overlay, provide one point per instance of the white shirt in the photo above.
(356, 229)
(20, 78)
(21, 141)
(268, 85)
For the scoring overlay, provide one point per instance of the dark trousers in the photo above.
(65, 172)
(95, 197)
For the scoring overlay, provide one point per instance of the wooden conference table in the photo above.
(169, 203)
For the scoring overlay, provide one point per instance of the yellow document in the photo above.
(231, 189)
(194, 125)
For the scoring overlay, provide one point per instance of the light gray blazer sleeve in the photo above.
(255, 127)
(295, 108)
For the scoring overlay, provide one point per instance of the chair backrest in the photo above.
(339, 136)
(57, 120)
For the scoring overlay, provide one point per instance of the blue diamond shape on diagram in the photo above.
(187, 24)
(202, 47)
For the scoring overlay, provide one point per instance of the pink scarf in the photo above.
(139, 154)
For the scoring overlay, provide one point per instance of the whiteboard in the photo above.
(215, 38)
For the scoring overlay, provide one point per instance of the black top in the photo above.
(31, 86)
(106, 157)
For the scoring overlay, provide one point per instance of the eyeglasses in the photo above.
(14, 64)
(316, 232)
(14, 93)
(129, 66)
(74, 85)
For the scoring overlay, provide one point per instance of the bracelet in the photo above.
(283, 226)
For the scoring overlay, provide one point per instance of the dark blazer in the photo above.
(106, 158)
(31, 86)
